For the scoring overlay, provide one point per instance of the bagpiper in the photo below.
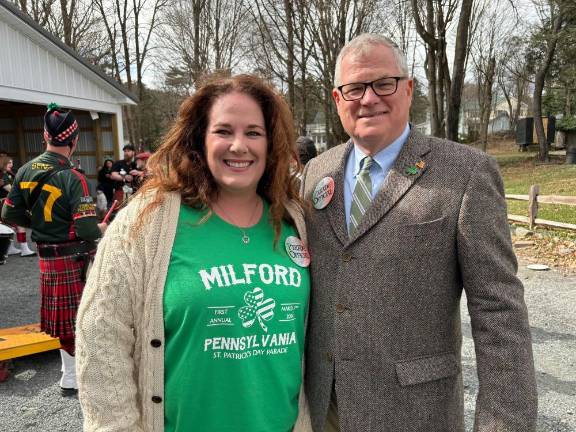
(53, 199)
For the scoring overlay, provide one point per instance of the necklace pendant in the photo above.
(245, 239)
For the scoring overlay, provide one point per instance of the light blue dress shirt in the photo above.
(383, 161)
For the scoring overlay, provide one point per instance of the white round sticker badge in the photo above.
(323, 193)
(297, 251)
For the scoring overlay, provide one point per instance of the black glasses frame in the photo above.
(370, 84)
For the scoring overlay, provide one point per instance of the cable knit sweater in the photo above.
(120, 323)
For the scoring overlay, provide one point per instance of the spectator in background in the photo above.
(105, 182)
(306, 149)
(140, 173)
(121, 173)
(7, 179)
(3, 155)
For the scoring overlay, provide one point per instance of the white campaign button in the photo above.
(297, 251)
(323, 193)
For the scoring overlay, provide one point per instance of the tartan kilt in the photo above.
(61, 286)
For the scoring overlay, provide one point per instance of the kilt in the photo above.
(61, 286)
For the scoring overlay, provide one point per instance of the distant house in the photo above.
(424, 128)
(37, 69)
(500, 123)
(499, 117)
(317, 131)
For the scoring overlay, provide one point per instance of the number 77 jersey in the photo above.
(64, 210)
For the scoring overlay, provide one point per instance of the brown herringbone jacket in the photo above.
(384, 314)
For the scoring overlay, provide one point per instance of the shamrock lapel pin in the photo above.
(414, 169)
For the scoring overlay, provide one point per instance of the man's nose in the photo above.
(369, 96)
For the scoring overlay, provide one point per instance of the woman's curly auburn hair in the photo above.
(180, 163)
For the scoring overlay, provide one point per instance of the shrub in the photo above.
(566, 124)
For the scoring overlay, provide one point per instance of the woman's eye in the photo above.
(254, 133)
(222, 131)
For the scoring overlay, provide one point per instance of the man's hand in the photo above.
(114, 175)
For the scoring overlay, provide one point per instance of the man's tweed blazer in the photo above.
(384, 312)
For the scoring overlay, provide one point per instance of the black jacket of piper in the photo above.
(65, 210)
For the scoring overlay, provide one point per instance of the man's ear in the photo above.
(336, 96)
(74, 143)
(410, 87)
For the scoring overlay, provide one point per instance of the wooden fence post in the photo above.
(533, 205)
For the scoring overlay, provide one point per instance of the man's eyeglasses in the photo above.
(382, 87)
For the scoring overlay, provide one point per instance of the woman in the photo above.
(7, 177)
(105, 183)
(193, 315)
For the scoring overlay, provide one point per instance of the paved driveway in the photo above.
(30, 399)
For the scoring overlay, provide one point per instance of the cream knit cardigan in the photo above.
(120, 373)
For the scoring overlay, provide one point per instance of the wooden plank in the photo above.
(517, 197)
(546, 199)
(533, 204)
(115, 139)
(516, 218)
(25, 340)
(557, 199)
(544, 222)
(554, 224)
(98, 139)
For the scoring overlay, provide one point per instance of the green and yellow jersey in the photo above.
(65, 210)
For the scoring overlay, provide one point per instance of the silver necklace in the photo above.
(245, 236)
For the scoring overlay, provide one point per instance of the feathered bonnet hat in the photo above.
(60, 127)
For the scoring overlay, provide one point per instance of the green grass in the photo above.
(520, 171)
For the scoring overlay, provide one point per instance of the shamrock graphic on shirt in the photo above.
(257, 308)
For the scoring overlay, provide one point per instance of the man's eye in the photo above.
(353, 89)
(384, 85)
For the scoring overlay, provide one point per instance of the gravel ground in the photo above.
(30, 400)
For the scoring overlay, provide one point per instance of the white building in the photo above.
(37, 69)
(317, 131)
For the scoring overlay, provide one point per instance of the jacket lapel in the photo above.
(399, 180)
(335, 210)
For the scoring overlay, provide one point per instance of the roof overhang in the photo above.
(23, 23)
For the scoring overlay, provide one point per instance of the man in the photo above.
(53, 199)
(408, 223)
(141, 172)
(306, 149)
(123, 173)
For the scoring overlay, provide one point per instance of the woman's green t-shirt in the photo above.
(234, 327)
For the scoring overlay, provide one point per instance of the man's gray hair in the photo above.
(361, 45)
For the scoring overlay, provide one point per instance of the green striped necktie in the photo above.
(362, 196)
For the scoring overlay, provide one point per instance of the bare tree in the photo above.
(39, 10)
(458, 70)
(332, 24)
(201, 36)
(72, 21)
(489, 44)
(514, 75)
(552, 14)
(129, 26)
(283, 43)
(432, 19)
